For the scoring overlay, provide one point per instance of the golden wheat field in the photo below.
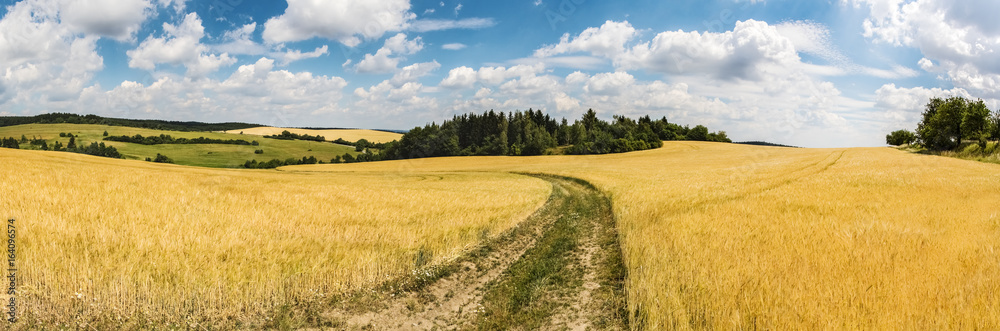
(330, 135)
(104, 240)
(723, 236)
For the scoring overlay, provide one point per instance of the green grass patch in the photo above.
(522, 295)
(203, 155)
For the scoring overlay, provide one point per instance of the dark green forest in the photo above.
(56, 118)
(535, 133)
(517, 133)
(762, 143)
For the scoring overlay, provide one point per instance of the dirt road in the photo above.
(560, 269)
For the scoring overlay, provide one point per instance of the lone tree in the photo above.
(900, 137)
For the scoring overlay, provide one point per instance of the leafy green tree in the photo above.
(105, 133)
(719, 137)
(160, 158)
(698, 133)
(941, 126)
(514, 150)
(361, 145)
(900, 137)
(10, 143)
(24, 139)
(72, 143)
(946, 122)
(995, 132)
(976, 121)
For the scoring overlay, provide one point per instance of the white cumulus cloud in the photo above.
(180, 45)
(118, 19)
(957, 38)
(387, 58)
(344, 21)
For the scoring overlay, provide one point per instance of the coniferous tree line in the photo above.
(762, 143)
(55, 118)
(947, 122)
(535, 133)
(167, 139)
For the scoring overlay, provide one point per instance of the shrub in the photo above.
(160, 158)
(900, 137)
(10, 143)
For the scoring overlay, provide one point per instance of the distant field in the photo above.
(723, 236)
(104, 240)
(205, 155)
(330, 135)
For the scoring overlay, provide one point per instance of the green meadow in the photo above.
(204, 155)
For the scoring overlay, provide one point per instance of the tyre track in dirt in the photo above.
(559, 269)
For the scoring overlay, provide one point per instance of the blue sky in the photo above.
(817, 74)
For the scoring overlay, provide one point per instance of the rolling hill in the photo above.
(713, 236)
(330, 134)
(205, 155)
(105, 242)
(727, 236)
